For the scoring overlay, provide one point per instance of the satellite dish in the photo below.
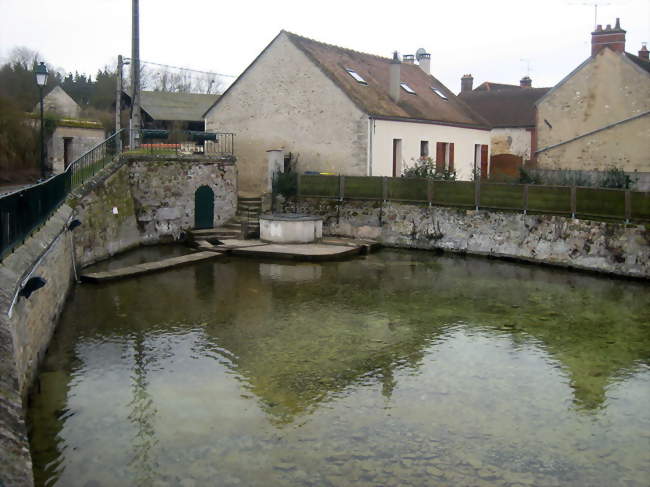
(419, 52)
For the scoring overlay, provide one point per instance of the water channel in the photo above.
(401, 368)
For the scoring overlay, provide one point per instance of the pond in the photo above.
(401, 368)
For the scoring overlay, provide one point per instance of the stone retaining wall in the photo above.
(612, 248)
(26, 326)
(154, 202)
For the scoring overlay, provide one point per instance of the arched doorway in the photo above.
(203, 207)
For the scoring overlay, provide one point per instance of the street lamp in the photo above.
(41, 81)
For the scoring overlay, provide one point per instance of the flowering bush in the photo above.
(425, 167)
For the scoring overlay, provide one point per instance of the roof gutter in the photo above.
(431, 122)
(606, 127)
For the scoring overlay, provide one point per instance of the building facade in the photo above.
(340, 111)
(598, 117)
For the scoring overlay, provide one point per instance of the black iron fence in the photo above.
(24, 210)
(188, 142)
(574, 201)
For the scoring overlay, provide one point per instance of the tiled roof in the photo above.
(185, 107)
(640, 62)
(490, 86)
(506, 107)
(374, 98)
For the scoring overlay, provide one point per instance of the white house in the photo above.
(342, 111)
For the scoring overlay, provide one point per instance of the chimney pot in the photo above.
(425, 62)
(618, 24)
(644, 53)
(612, 38)
(526, 82)
(466, 83)
(408, 59)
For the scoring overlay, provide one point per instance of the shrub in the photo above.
(285, 183)
(425, 167)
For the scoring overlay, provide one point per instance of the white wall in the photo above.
(411, 133)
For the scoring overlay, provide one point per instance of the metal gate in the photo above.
(203, 207)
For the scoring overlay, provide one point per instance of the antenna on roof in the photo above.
(594, 4)
(419, 53)
(527, 61)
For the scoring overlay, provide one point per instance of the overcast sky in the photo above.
(488, 39)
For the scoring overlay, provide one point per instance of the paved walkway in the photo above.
(327, 249)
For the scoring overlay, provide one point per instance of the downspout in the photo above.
(371, 129)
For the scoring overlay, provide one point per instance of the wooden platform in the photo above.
(148, 267)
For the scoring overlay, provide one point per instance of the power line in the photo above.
(186, 69)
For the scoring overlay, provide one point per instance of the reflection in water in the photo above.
(402, 368)
(142, 415)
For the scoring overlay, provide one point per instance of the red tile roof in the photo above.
(374, 99)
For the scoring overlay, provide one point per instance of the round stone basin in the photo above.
(290, 228)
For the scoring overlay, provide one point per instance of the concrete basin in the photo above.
(290, 228)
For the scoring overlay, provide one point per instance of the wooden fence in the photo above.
(575, 201)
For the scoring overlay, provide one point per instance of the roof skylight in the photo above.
(407, 88)
(357, 77)
(439, 93)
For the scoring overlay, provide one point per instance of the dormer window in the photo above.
(407, 88)
(439, 93)
(357, 77)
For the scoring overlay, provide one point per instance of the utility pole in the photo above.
(135, 76)
(118, 102)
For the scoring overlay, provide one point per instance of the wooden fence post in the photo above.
(525, 199)
(341, 187)
(384, 188)
(573, 201)
(628, 206)
(477, 193)
(430, 191)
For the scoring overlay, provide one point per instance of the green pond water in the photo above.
(396, 369)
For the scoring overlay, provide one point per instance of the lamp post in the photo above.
(41, 81)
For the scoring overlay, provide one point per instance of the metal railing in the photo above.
(187, 142)
(24, 210)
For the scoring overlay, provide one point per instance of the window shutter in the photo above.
(451, 156)
(440, 156)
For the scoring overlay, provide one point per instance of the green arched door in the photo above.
(203, 207)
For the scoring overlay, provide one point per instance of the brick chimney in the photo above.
(526, 82)
(643, 52)
(466, 83)
(394, 77)
(608, 37)
(408, 58)
(425, 62)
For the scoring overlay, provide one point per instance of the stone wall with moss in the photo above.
(612, 248)
(26, 327)
(163, 193)
(130, 203)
